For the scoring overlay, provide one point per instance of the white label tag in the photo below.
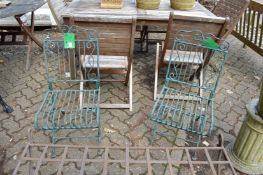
(67, 74)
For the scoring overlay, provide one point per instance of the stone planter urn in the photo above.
(246, 152)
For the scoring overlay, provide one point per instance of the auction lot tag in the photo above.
(210, 43)
(69, 40)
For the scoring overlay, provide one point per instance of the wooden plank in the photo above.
(203, 26)
(114, 38)
(257, 28)
(113, 46)
(114, 106)
(106, 61)
(19, 7)
(211, 28)
(184, 57)
(102, 25)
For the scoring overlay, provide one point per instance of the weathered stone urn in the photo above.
(246, 152)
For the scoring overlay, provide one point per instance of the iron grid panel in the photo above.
(184, 165)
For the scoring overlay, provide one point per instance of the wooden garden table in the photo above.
(80, 12)
(83, 11)
(17, 9)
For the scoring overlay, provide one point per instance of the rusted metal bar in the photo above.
(62, 160)
(127, 160)
(106, 159)
(40, 160)
(22, 158)
(189, 160)
(210, 162)
(148, 161)
(169, 161)
(83, 160)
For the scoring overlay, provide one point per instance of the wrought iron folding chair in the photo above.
(163, 56)
(60, 108)
(194, 114)
(233, 9)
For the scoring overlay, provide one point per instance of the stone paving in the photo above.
(23, 90)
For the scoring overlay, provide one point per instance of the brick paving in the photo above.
(23, 90)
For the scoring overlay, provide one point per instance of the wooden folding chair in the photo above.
(233, 9)
(116, 43)
(217, 29)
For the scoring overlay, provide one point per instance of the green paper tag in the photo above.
(69, 40)
(210, 43)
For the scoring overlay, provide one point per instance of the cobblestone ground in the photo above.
(24, 90)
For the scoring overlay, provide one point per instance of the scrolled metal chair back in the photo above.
(63, 64)
(192, 52)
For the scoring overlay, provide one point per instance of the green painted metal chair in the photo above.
(192, 51)
(60, 108)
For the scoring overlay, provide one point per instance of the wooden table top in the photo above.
(90, 9)
(20, 7)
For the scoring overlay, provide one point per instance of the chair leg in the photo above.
(156, 72)
(212, 118)
(141, 40)
(147, 41)
(99, 136)
(81, 91)
(29, 51)
(153, 133)
(194, 157)
(201, 79)
(130, 89)
(53, 149)
(29, 151)
(28, 57)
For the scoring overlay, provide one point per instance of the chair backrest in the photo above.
(205, 54)
(116, 36)
(216, 28)
(62, 63)
(233, 9)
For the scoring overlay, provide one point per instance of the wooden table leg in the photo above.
(29, 50)
(27, 30)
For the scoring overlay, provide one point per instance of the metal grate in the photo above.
(123, 160)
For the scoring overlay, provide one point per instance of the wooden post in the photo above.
(260, 103)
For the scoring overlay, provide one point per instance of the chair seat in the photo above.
(184, 57)
(60, 110)
(105, 61)
(187, 114)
